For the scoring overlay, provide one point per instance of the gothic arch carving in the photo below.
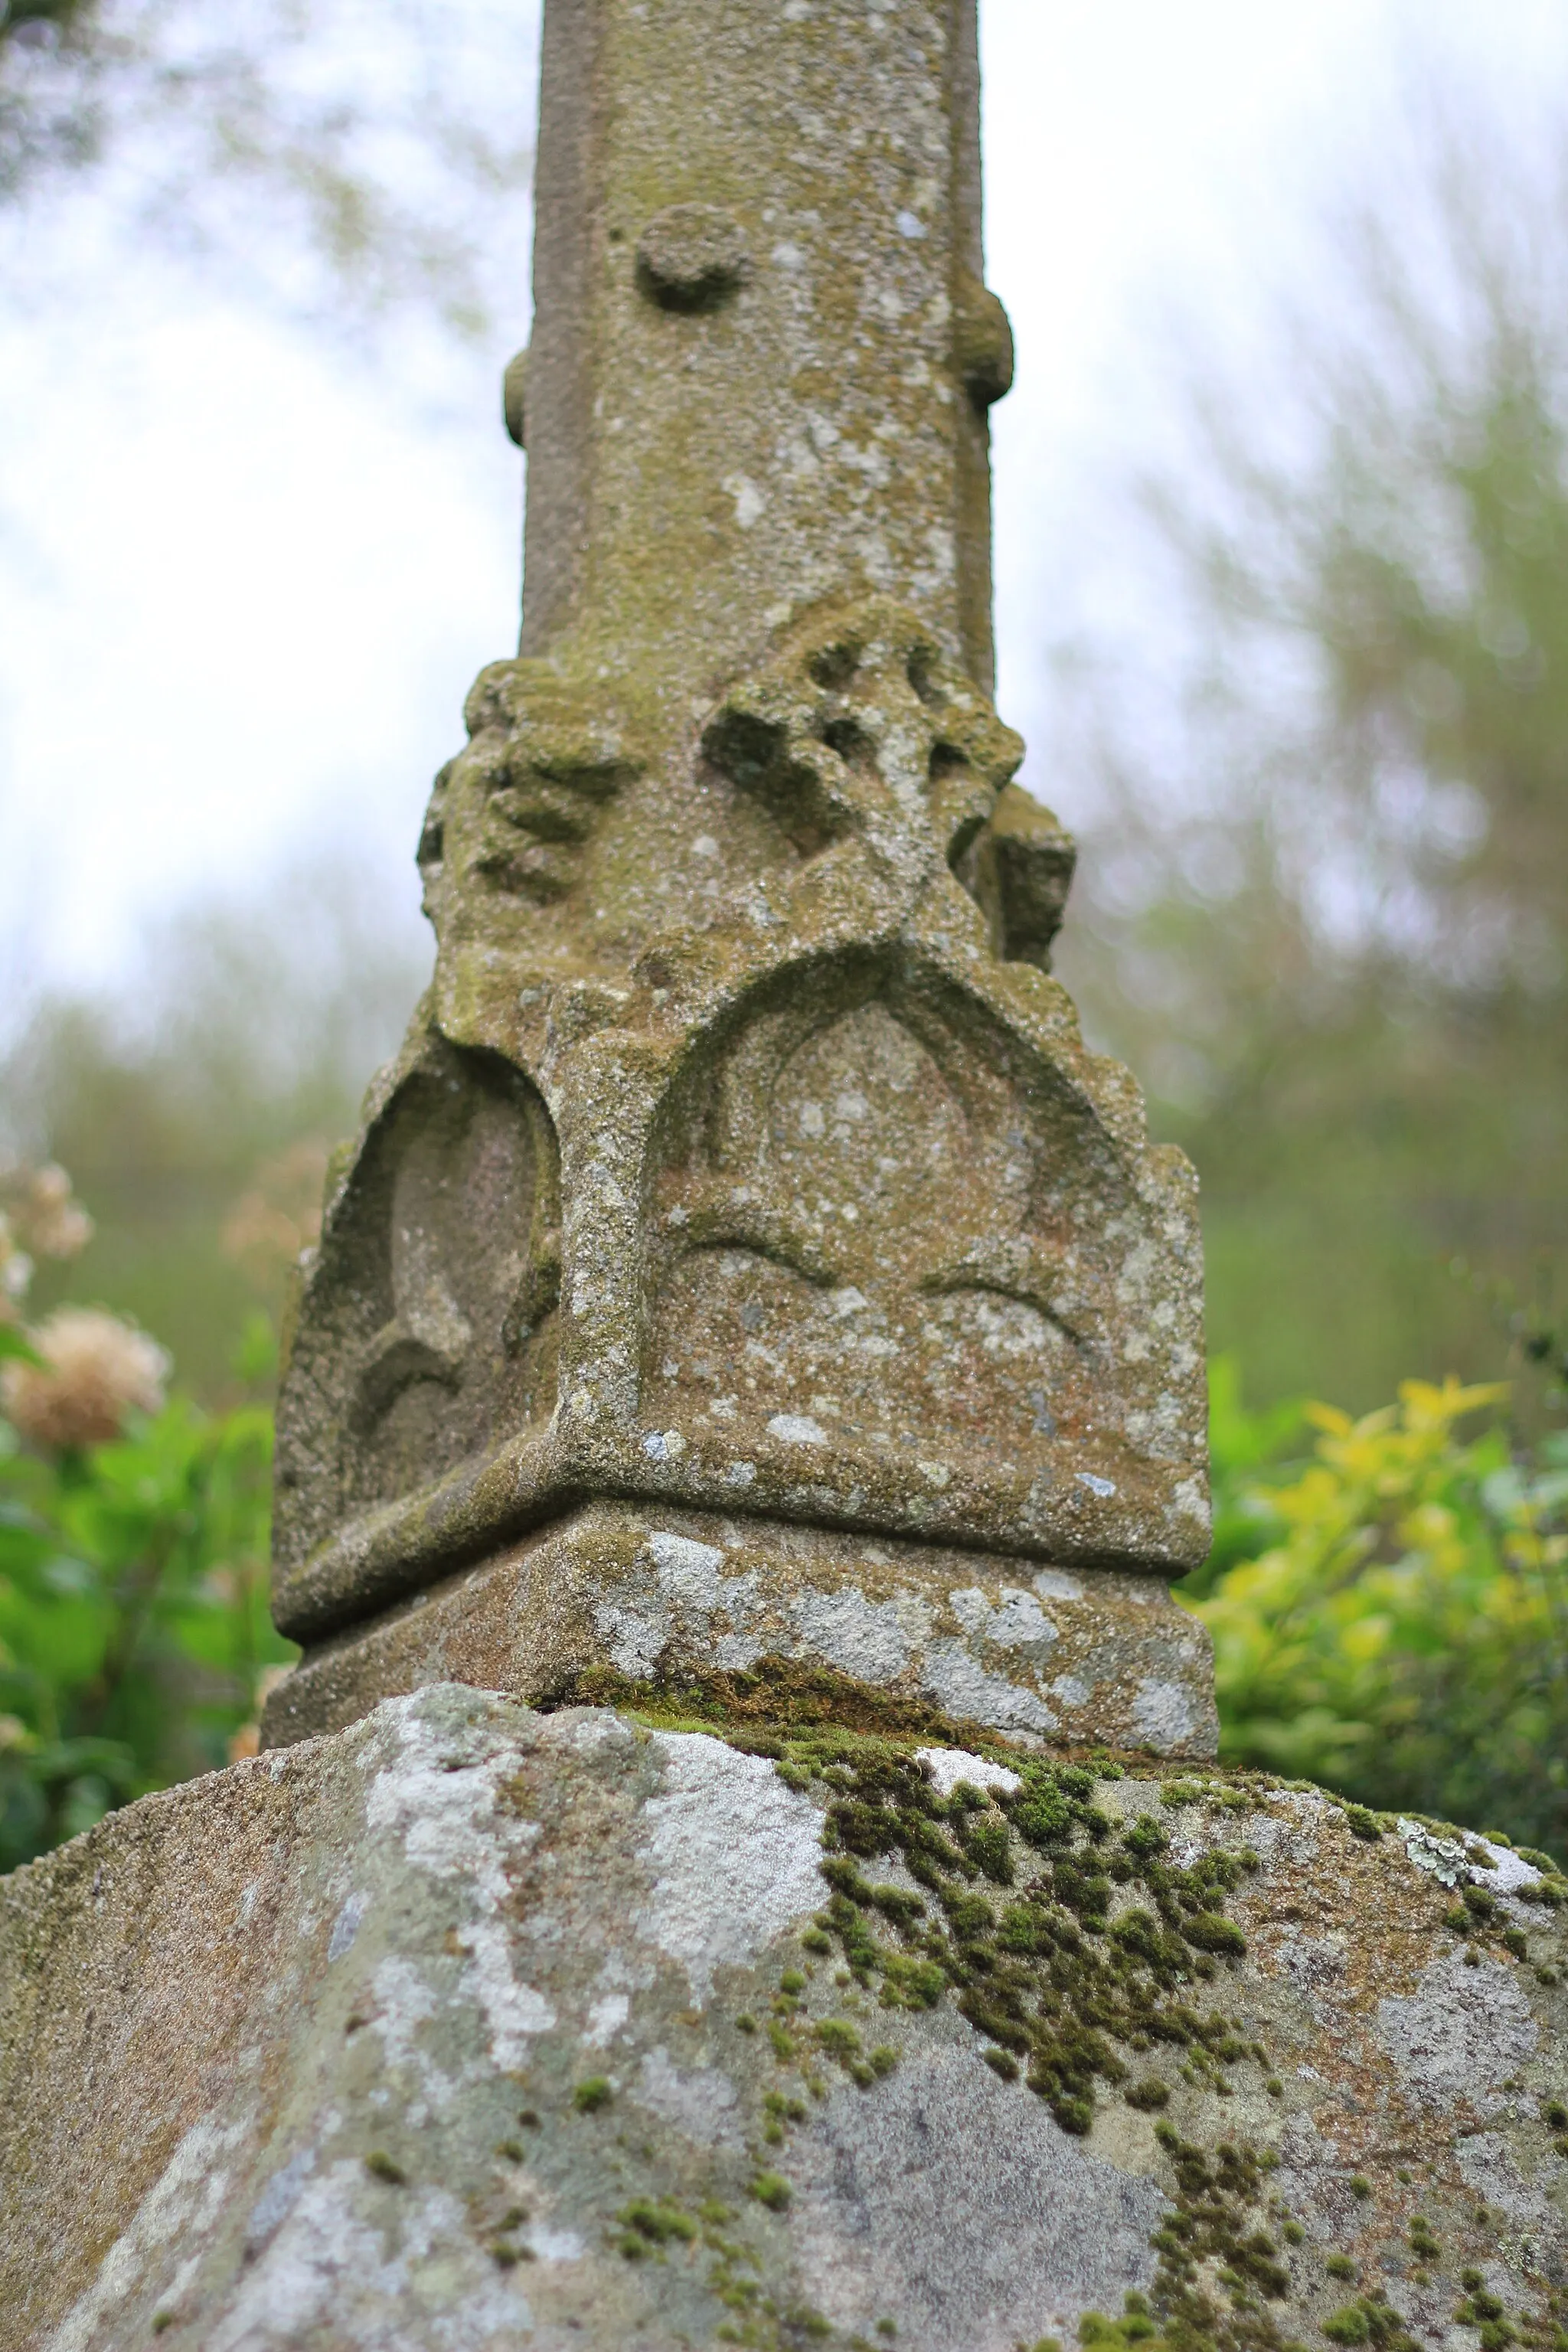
(868, 1217)
(428, 1328)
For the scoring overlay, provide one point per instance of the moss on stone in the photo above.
(776, 1697)
(1053, 1983)
(1074, 1985)
(1069, 1939)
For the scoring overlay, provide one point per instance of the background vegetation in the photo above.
(134, 1632)
(195, 1108)
(340, 159)
(1322, 909)
(1390, 1614)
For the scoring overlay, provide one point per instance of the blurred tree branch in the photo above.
(1324, 905)
(343, 158)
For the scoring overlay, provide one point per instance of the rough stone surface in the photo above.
(433, 2034)
(744, 1157)
(1036, 1652)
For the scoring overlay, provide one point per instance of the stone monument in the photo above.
(738, 1863)
(743, 1259)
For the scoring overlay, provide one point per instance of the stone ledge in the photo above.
(1084, 1656)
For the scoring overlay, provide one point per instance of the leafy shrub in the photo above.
(1402, 1633)
(134, 1632)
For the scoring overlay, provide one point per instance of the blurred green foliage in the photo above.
(240, 1045)
(134, 1629)
(1390, 1617)
(1322, 906)
(1246, 1449)
(194, 1111)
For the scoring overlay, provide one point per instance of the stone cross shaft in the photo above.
(763, 349)
(743, 1269)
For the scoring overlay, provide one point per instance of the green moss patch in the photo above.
(778, 1696)
(1092, 1965)
(1012, 1918)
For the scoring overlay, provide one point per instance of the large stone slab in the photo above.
(473, 2027)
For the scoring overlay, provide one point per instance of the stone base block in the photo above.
(1039, 1654)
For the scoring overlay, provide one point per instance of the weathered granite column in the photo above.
(744, 1261)
(747, 1306)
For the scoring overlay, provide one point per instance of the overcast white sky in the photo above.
(245, 581)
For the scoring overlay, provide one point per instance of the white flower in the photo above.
(40, 1213)
(96, 1369)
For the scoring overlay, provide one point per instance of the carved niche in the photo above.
(873, 1238)
(428, 1324)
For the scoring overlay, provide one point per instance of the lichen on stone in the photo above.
(999, 2042)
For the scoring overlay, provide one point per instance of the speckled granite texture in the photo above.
(659, 1596)
(472, 2026)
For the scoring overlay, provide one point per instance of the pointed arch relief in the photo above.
(427, 1330)
(885, 1240)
